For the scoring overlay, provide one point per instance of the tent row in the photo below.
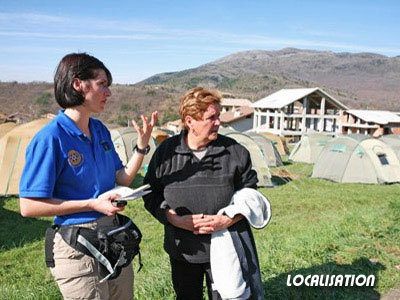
(346, 158)
(15, 139)
(263, 152)
(352, 158)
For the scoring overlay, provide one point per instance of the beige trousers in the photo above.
(76, 273)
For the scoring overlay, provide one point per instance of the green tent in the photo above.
(225, 130)
(279, 142)
(268, 148)
(124, 140)
(358, 159)
(258, 158)
(393, 141)
(309, 147)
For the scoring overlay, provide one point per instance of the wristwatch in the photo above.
(142, 151)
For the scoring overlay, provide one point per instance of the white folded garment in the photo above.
(225, 265)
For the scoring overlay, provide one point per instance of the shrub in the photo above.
(44, 99)
(169, 115)
(150, 92)
(125, 107)
(122, 120)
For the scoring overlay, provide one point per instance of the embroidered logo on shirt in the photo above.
(106, 146)
(75, 159)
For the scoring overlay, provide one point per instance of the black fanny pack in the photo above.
(114, 247)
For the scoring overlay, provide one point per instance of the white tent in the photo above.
(124, 140)
(309, 147)
(258, 158)
(357, 159)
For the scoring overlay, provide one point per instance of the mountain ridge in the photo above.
(359, 80)
(366, 77)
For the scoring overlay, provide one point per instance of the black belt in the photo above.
(114, 247)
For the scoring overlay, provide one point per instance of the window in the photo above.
(322, 143)
(383, 159)
(338, 148)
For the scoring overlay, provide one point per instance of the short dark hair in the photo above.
(75, 65)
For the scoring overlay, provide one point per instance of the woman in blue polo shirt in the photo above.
(72, 161)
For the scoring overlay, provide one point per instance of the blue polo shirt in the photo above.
(62, 162)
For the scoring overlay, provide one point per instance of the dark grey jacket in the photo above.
(181, 181)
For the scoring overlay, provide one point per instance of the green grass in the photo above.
(318, 227)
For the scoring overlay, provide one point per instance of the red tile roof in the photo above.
(230, 116)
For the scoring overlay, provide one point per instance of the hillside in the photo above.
(30, 100)
(361, 80)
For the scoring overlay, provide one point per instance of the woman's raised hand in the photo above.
(145, 132)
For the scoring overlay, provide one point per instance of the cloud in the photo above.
(326, 34)
(220, 40)
(26, 73)
(59, 27)
(36, 49)
(77, 36)
(309, 43)
(31, 18)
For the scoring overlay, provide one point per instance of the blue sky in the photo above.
(137, 39)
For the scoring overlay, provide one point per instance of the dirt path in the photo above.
(392, 295)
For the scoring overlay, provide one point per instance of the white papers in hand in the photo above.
(127, 193)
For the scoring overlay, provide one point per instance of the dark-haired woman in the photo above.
(72, 161)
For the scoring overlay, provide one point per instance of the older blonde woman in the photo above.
(193, 175)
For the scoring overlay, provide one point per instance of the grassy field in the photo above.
(318, 227)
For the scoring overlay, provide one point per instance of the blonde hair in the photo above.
(195, 102)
